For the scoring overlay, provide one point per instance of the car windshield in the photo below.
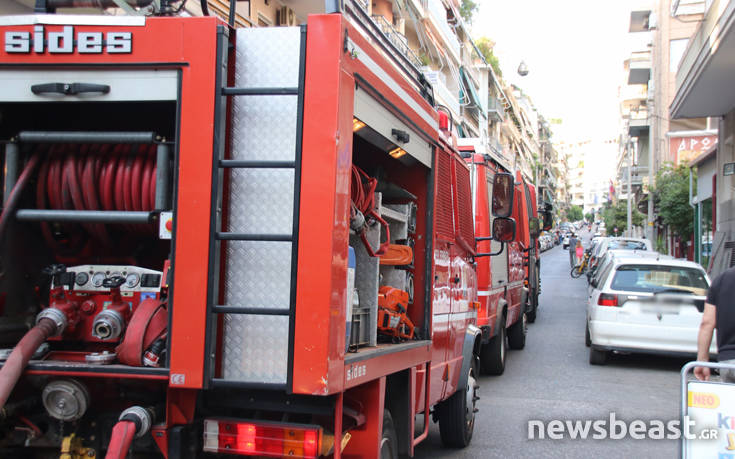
(627, 245)
(660, 278)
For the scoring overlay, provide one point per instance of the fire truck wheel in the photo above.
(517, 333)
(597, 357)
(389, 439)
(492, 354)
(457, 414)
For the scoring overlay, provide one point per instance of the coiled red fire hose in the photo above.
(363, 199)
(122, 436)
(98, 177)
(22, 353)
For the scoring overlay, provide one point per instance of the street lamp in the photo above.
(522, 69)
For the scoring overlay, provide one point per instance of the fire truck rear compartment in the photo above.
(85, 246)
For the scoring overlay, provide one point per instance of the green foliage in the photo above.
(467, 10)
(590, 217)
(575, 213)
(671, 192)
(616, 216)
(485, 45)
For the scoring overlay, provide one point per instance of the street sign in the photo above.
(728, 169)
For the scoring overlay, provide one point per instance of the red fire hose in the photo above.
(122, 436)
(15, 193)
(363, 199)
(22, 353)
(97, 177)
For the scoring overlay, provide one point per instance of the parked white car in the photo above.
(646, 305)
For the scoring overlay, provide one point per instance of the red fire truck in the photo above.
(253, 241)
(508, 274)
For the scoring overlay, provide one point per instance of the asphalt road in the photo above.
(552, 379)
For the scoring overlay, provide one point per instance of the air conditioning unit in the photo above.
(286, 16)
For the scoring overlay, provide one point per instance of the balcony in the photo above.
(633, 95)
(704, 78)
(437, 14)
(639, 70)
(442, 93)
(495, 110)
(638, 123)
(640, 21)
(397, 39)
(636, 179)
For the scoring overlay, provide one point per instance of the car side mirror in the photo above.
(594, 283)
(534, 227)
(504, 229)
(503, 188)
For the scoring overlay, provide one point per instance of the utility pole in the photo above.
(630, 187)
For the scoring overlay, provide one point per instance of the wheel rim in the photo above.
(502, 343)
(471, 401)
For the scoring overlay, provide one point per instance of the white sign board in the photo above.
(711, 407)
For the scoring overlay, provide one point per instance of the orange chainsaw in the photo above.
(392, 318)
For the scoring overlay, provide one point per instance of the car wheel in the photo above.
(598, 357)
(517, 333)
(587, 338)
(389, 439)
(457, 414)
(492, 354)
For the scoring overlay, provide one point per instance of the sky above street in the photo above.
(574, 50)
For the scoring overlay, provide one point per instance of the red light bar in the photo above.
(607, 299)
(251, 438)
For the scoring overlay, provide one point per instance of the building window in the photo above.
(676, 52)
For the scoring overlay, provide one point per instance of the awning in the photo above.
(473, 97)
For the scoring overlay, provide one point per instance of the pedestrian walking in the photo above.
(579, 252)
(572, 250)
(719, 314)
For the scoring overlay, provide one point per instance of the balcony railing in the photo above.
(397, 39)
(495, 109)
(438, 15)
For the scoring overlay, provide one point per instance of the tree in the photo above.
(671, 193)
(590, 217)
(575, 213)
(616, 216)
(467, 10)
(486, 45)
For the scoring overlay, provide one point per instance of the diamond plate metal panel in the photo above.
(258, 274)
(267, 57)
(264, 127)
(261, 201)
(255, 348)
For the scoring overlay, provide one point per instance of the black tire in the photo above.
(389, 439)
(492, 354)
(598, 357)
(457, 414)
(576, 272)
(587, 338)
(531, 314)
(517, 333)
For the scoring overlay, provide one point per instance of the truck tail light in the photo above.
(261, 439)
(607, 299)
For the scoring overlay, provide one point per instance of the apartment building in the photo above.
(704, 89)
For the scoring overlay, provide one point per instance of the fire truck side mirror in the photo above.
(503, 187)
(534, 227)
(504, 229)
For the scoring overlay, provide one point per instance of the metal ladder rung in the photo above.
(226, 236)
(286, 91)
(236, 163)
(251, 311)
